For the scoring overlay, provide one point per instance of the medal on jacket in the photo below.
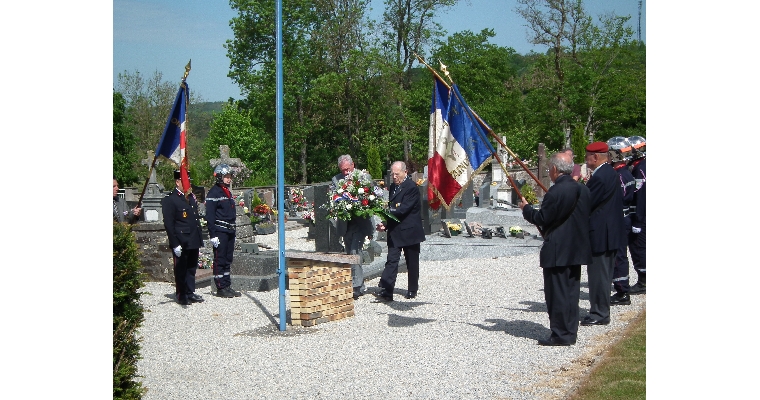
(184, 214)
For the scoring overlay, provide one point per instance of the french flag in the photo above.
(457, 146)
(174, 139)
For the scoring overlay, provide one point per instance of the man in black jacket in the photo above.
(605, 230)
(406, 235)
(564, 219)
(183, 228)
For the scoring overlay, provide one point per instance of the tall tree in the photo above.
(124, 152)
(410, 28)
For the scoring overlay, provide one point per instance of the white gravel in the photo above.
(470, 333)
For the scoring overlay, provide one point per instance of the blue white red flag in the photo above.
(174, 139)
(458, 146)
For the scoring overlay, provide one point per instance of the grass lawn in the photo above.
(622, 372)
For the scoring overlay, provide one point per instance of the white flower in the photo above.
(372, 197)
(360, 191)
(245, 210)
(348, 206)
(340, 190)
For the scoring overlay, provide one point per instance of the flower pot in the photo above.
(455, 233)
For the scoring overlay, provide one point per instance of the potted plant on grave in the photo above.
(455, 229)
(261, 219)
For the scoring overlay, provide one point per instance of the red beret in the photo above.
(597, 147)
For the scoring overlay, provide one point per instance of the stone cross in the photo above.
(224, 158)
(147, 161)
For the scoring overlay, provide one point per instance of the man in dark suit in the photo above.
(605, 229)
(353, 231)
(183, 228)
(564, 220)
(406, 235)
(120, 211)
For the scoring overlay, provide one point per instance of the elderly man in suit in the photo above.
(353, 231)
(563, 218)
(606, 226)
(406, 235)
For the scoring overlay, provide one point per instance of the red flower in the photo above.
(365, 202)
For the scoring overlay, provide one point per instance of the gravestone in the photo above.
(154, 193)
(325, 231)
(485, 193)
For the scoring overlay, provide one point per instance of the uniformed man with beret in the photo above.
(183, 228)
(605, 230)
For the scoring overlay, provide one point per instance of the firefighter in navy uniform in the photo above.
(183, 228)
(220, 215)
(620, 154)
(637, 243)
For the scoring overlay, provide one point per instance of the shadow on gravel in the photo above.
(398, 321)
(517, 328)
(264, 310)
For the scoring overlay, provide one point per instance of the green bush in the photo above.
(128, 277)
(527, 192)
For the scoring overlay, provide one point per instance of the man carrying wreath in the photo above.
(355, 230)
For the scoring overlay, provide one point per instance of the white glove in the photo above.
(214, 241)
(178, 251)
(635, 229)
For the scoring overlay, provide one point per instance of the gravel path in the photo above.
(471, 333)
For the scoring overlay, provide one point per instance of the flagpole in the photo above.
(490, 131)
(186, 159)
(155, 157)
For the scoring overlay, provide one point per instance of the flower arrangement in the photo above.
(454, 227)
(260, 213)
(357, 196)
(205, 260)
(298, 200)
(514, 230)
(307, 215)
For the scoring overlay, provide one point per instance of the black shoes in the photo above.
(593, 321)
(410, 294)
(194, 298)
(357, 294)
(385, 296)
(182, 300)
(638, 288)
(554, 341)
(228, 292)
(620, 299)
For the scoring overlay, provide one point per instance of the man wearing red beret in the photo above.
(605, 230)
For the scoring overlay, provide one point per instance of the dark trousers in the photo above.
(353, 242)
(223, 259)
(184, 272)
(620, 279)
(562, 291)
(637, 244)
(412, 257)
(599, 282)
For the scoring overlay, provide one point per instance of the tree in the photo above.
(409, 28)
(247, 140)
(124, 154)
(579, 71)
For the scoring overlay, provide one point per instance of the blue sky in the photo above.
(162, 35)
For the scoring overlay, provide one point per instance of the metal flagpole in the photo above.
(280, 168)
